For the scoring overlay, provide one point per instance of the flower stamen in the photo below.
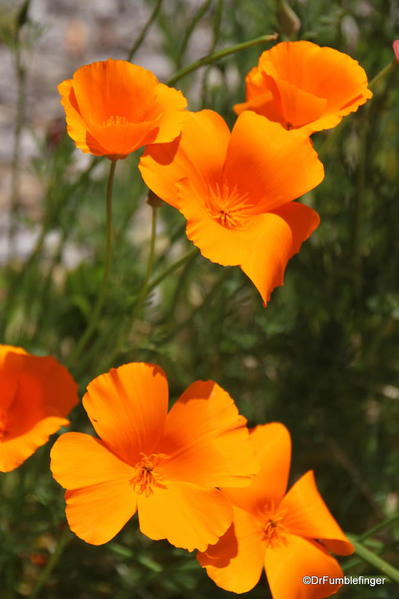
(273, 529)
(229, 207)
(147, 476)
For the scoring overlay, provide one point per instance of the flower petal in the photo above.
(235, 563)
(76, 126)
(37, 395)
(114, 88)
(272, 447)
(169, 103)
(198, 155)
(298, 107)
(186, 515)
(278, 236)
(302, 221)
(308, 516)
(14, 451)
(79, 460)
(270, 164)
(287, 563)
(127, 407)
(97, 513)
(207, 440)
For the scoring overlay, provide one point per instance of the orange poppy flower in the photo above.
(114, 107)
(290, 535)
(235, 190)
(164, 465)
(303, 85)
(36, 395)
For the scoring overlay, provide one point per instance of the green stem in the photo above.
(172, 268)
(107, 267)
(205, 302)
(374, 560)
(150, 262)
(143, 32)
(383, 73)
(190, 28)
(384, 524)
(16, 158)
(214, 56)
(63, 541)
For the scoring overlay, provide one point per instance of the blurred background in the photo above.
(322, 357)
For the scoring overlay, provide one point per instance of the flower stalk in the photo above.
(214, 56)
(374, 560)
(107, 268)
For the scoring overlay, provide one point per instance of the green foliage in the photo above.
(322, 357)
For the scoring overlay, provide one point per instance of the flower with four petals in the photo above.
(236, 190)
(164, 465)
(114, 107)
(289, 534)
(305, 86)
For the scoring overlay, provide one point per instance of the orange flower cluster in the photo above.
(198, 478)
(236, 190)
(194, 474)
(285, 534)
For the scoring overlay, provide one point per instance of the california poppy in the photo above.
(114, 107)
(289, 534)
(303, 85)
(36, 395)
(235, 190)
(164, 465)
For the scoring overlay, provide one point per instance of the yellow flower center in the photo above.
(273, 529)
(147, 476)
(229, 207)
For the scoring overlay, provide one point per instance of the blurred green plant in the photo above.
(323, 356)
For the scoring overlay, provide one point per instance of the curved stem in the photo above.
(383, 73)
(171, 268)
(64, 539)
(384, 524)
(143, 32)
(107, 267)
(375, 560)
(214, 56)
(16, 156)
(190, 28)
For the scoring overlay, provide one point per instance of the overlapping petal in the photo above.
(128, 407)
(235, 563)
(99, 465)
(272, 447)
(214, 450)
(269, 164)
(198, 155)
(114, 107)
